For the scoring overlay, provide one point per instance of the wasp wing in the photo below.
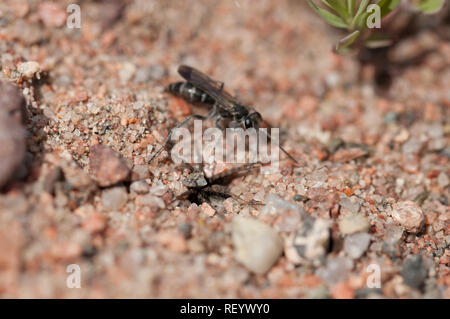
(211, 87)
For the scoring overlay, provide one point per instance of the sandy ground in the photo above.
(363, 214)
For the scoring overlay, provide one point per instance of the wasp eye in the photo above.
(248, 123)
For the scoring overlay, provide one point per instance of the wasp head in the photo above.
(252, 120)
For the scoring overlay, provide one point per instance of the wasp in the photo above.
(224, 108)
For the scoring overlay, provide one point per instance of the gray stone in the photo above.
(414, 271)
(310, 243)
(336, 270)
(355, 245)
(139, 187)
(256, 245)
(114, 198)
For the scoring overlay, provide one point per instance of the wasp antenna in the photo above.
(281, 148)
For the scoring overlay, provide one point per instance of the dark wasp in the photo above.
(200, 88)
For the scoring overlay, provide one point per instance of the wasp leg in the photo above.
(186, 120)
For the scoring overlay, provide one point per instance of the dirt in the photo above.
(368, 157)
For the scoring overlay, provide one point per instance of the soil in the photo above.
(369, 195)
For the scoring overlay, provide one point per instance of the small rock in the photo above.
(174, 241)
(274, 204)
(127, 72)
(256, 245)
(12, 102)
(29, 69)
(342, 290)
(95, 223)
(231, 205)
(158, 189)
(443, 180)
(336, 270)
(185, 229)
(12, 147)
(139, 187)
(55, 175)
(300, 198)
(150, 201)
(409, 215)
(52, 14)
(393, 234)
(353, 223)
(107, 166)
(12, 133)
(414, 271)
(310, 243)
(351, 204)
(140, 172)
(114, 198)
(355, 245)
(207, 209)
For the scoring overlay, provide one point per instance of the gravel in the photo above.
(409, 215)
(83, 110)
(107, 166)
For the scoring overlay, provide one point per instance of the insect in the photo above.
(211, 189)
(200, 88)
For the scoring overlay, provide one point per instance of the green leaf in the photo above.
(386, 6)
(338, 7)
(350, 7)
(328, 16)
(431, 6)
(361, 10)
(347, 41)
(377, 40)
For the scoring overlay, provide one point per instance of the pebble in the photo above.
(231, 206)
(409, 215)
(150, 200)
(158, 189)
(107, 166)
(95, 223)
(393, 234)
(414, 271)
(353, 223)
(310, 243)
(443, 180)
(51, 14)
(114, 198)
(12, 102)
(355, 245)
(12, 133)
(351, 204)
(275, 204)
(29, 69)
(256, 245)
(127, 72)
(139, 187)
(207, 209)
(336, 270)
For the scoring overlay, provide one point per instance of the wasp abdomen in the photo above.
(190, 93)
